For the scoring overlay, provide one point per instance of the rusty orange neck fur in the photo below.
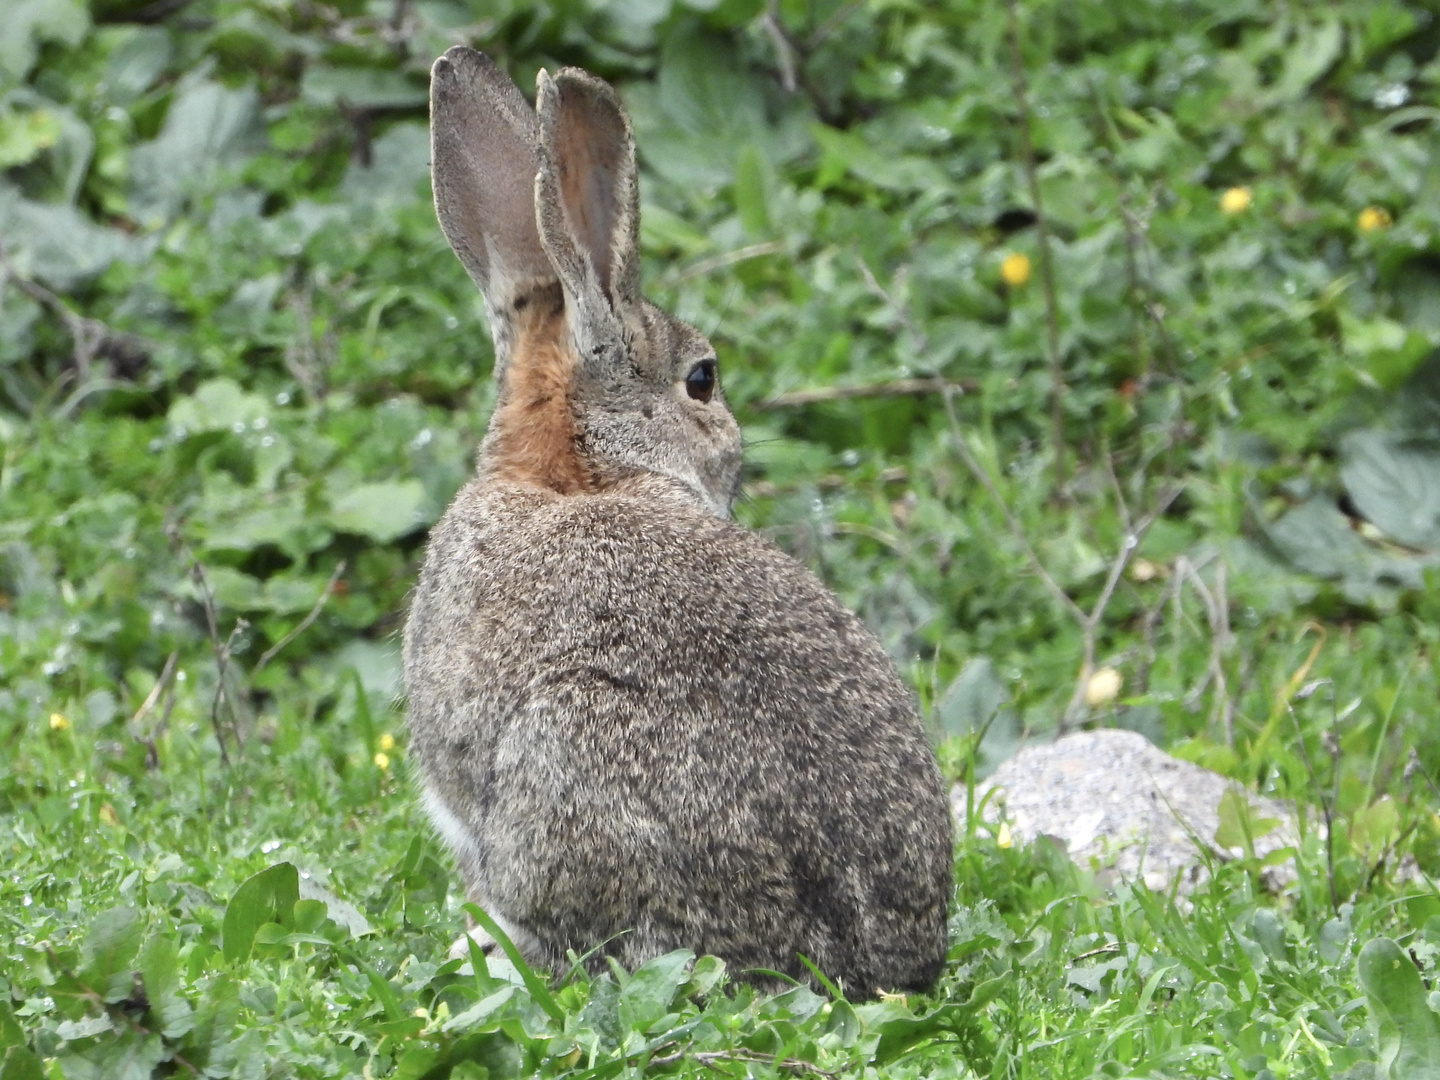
(534, 432)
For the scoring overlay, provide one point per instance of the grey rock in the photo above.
(1116, 802)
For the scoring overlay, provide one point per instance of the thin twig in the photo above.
(155, 691)
(304, 623)
(764, 489)
(1042, 229)
(784, 55)
(88, 337)
(920, 342)
(895, 388)
(728, 258)
(222, 660)
(1325, 808)
(1090, 624)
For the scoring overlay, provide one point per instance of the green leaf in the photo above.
(1395, 483)
(130, 1055)
(382, 511)
(111, 943)
(217, 405)
(30, 23)
(57, 243)
(538, 990)
(651, 990)
(160, 970)
(19, 1063)
(360, 88)
(1239, 828)
(208, 128)
(268, 896)
(1407, 1032)
(25, 135)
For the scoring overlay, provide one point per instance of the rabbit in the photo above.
(639, 726)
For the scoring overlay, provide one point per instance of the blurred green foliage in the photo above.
(237, 363)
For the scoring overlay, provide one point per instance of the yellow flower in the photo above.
(1003, 838)
(1236, 200)
(1015, 269)
(1373, 219)
(1103, 687)
(387, 741)
(58, 722)
(108, 815)
(382, 759)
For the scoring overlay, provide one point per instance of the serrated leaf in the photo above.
(160, 972)
(111, 942)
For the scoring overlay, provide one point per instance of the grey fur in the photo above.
(640, 725)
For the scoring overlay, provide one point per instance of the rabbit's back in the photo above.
(645, 719)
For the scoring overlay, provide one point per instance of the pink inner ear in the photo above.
(589, 144)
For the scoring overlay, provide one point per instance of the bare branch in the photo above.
(728, 258)
(896, 388)
(304, 623)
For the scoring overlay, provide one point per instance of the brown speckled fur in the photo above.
(637, 722)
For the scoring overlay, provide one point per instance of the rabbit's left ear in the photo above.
(587, 197)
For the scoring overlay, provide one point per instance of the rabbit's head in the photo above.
(598, 386)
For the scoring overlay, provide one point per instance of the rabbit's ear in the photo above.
(483, 142)
(587, 197)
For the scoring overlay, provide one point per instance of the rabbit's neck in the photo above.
(532, 437)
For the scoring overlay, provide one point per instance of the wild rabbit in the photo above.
(640, 726)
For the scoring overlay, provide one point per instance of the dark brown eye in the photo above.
(700, 383)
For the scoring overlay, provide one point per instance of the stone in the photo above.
(1117, 803)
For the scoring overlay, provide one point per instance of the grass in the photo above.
(241, 374)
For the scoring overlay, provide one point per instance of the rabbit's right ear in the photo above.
(483, 139)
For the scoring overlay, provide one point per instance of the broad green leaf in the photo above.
(399, 164)
(266, 897)
(24, 135)
(360, 88)
(218, 405)
(1239, 828)
(208, 128)
(19, 1063)
(383, 511)
(130, 1055)
(57, 243)
(651, 990)
(30, 23)
(1395, 483)
(1407, 1031)
(111, 942)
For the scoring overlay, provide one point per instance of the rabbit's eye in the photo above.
(700, 383)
